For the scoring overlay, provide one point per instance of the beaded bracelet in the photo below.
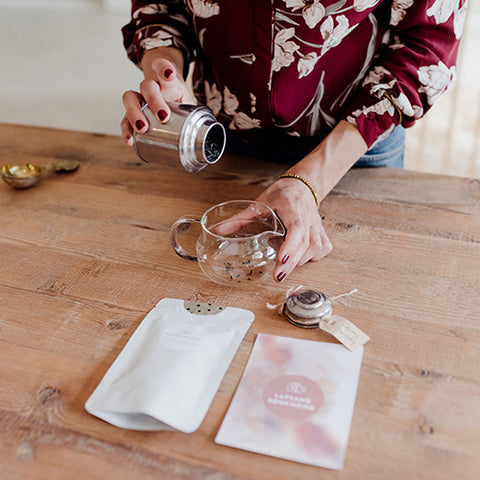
(305, 182)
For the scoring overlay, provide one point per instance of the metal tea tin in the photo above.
(192, 130)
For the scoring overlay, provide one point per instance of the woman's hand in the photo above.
(306, 238)
(296, 206)
(163, 83)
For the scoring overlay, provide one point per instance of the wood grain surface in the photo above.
(85, 256)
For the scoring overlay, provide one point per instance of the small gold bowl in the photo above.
(21, 176)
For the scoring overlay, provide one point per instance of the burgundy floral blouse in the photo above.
(303, 65)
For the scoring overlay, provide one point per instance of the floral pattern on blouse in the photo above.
(303, 65)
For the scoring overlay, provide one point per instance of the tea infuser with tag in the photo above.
(308, 308)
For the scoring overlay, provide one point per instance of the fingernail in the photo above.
(139, 124)
(168, 72)
(281, 276)
(162, 115)
(285, 259)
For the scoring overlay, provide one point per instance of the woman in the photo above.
(320, 85)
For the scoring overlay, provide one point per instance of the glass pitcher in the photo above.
(238, 243)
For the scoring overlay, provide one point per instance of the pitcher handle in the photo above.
(181, 225)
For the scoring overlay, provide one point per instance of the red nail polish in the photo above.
(168, 72)
(162, 115)
(139, 124)
(285, 259)
(281, 276)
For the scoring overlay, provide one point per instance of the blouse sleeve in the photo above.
(415, 65)
(159, 24)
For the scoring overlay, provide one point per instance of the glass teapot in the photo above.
(238, 243)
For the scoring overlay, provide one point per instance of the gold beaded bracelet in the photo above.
(305, 182)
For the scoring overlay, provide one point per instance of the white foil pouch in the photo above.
(167, 374)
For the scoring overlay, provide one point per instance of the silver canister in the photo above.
(192, 130)
(306, 307)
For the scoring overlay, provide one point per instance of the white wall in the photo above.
(64, 67)
(117, 5)
(51, 3)
(109, 5)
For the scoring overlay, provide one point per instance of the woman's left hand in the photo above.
(306, 239)
(295, 204)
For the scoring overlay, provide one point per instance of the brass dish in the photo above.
(27, 175)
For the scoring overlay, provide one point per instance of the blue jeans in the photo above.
(287, 150)
(387, 153)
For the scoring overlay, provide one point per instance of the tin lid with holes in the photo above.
(306, 307)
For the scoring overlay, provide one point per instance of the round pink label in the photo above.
(293, 397)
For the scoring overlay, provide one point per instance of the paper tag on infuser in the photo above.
(344, 331)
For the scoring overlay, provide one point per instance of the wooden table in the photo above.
(85, 256)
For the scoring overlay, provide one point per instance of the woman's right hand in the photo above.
(163, 83)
